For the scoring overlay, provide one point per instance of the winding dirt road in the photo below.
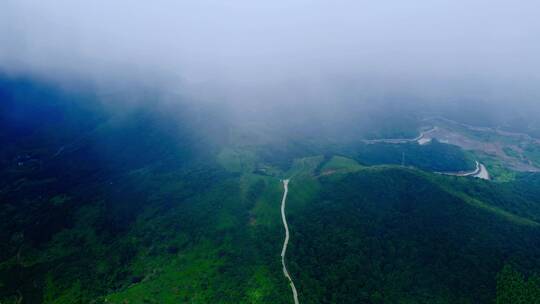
(286, 242)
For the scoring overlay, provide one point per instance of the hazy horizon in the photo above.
(244, 51)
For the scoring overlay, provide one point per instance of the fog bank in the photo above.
(303, 52)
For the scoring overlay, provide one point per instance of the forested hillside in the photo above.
(393, 235)
(160, 204)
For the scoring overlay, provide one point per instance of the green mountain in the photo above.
(393, 235)
(157, 203)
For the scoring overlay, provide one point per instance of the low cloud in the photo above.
(271, 51)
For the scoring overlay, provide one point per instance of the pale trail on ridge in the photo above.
(286, 242)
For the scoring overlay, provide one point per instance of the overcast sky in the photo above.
(260, 45)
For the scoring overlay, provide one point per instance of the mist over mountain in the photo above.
(269, 152)
(306, 52)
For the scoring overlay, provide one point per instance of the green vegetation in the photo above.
(151, 206)
(135, 211)
(498, 170)
(394, 235)
(237, 160)
(513, 287)
(435, 156)
(340, 164)
(511, 152)
(532, 152)
(304, 167)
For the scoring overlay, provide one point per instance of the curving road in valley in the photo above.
(286, 242)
